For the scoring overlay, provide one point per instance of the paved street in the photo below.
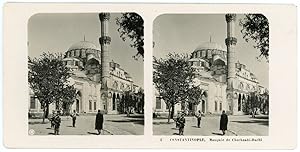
(85, 125)
(237, 126)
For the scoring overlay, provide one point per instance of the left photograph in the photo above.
(86, 74)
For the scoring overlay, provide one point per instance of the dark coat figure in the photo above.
(181, 124)
(177, 120)
(198, 116)
(223, 122)
(99, 122)
(57, 121)
(73, 115)
(52, 120)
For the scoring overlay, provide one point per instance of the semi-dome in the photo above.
(210, 46)
(83, 45)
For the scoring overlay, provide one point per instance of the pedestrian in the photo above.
(223, 122)
(176, 120)
(73, 115)
(198, 116)
(99, 122)
(57, 121)
(51, 119)
(181, 123)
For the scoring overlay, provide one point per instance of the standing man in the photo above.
(99, 122)
(73, 115)
(177, 119)
(223, 122)
(52, 119)
(198, 116)
(57, 121)
(181, 123)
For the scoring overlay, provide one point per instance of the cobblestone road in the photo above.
(113, 125)
(237, 126)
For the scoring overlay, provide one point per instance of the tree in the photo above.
(265, 97)
(129, 101)
(131, 26)
(173, 78)
(255, 27)
(48, 79)
(253, 104)
(68, 98)
(141, 103)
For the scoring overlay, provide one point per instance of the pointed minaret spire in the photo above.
(83, 37)
(210, 38)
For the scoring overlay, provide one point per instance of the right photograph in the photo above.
(211, 75)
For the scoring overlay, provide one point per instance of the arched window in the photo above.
(32, 102)
(158, 103)
(241, 86)
(203, 53)
(95, 106)
(90, 105)
(240, 103)
(216, 106)
(114, 102)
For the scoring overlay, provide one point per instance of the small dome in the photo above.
(83, 45)
(210, 46)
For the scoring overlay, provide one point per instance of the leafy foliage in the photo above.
(48, 79)
(131, 26)
(255, 27)
(265, 107)
(252, 104)
(173, 78)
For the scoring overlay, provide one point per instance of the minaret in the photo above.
(230, 43)
(104, 41)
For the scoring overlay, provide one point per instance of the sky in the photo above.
(57, 32)
(182, 33)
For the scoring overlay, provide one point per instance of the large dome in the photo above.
(83, 45)
(210, 46)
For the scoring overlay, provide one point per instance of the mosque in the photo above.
(226, 84)
(101, 83)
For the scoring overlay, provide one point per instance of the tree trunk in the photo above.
(128, 111)
(169, 115)
(253, 113)
(47, 111)
(45, 115)
(172, 112)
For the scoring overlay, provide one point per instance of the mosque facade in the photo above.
(226, 84)
(101, 83)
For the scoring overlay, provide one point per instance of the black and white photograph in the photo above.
(211, 75)
(85, 74)
(150, 75)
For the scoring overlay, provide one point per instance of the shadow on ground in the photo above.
(136, 116)
(216, 133)
(161, 123)
(260, 122)
(262, 117)
(92, 133)
(37, 122)
(140, 122)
